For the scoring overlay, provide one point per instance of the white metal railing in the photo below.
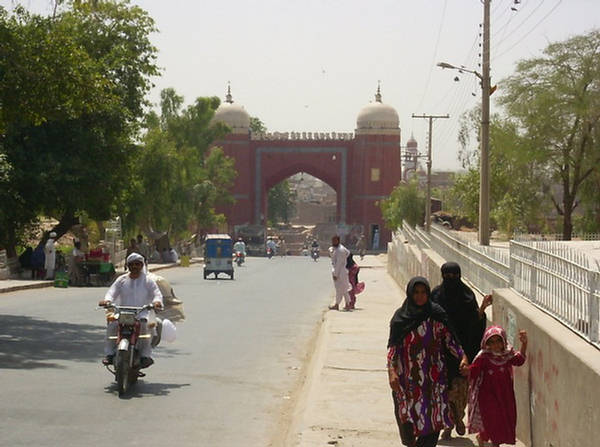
(559, 280)
(550, 274)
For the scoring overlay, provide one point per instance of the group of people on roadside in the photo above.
(441, 357)
(344, 271)
(139, 245)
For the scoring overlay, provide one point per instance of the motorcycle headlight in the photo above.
(126, 318)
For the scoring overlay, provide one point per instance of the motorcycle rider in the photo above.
(240, 246)
(134, 288)
(314, 248)
(272, 245)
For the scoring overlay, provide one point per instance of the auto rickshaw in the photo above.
(218, 252)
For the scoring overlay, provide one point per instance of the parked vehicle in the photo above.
(127, 361)
(218, 255)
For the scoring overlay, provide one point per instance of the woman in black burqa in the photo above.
(469, 322)
(420, 337)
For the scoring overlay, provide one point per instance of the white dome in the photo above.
(378, 118)
(235, 116)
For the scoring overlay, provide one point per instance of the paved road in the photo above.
(226, 381)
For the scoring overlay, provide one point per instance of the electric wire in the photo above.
(441, 26)
(531, 30)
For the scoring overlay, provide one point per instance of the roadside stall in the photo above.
(96, 269)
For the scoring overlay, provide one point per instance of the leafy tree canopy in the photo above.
(72, 90)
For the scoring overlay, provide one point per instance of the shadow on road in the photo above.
(28, 343)
(143, 388)
(456, 442)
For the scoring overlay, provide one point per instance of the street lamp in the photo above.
(484, 159)
(460, 69)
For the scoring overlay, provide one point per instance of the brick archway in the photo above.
(362, 169)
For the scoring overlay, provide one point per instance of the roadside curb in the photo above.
(50, 283)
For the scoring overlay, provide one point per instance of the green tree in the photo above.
(179, 177)
(406, 202)
(72, 90)
(517, 173)
(554, 100)
(281, 202)
(257, 126)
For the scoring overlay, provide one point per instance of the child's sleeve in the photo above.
(518, 359)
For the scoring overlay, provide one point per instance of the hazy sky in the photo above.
(311, 65)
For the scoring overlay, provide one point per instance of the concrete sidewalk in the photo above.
(13, 285)
(347, 400)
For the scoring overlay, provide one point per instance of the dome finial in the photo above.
(229, 98)
(378, 94)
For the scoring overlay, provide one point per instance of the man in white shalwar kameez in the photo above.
(50, 254)
(134, 288)
(339, 255)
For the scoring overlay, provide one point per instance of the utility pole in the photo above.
(484, 159)
(428, 201)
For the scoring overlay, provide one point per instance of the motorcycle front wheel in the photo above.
(122, 373)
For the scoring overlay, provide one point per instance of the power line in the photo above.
(434, 54)
(531, 30)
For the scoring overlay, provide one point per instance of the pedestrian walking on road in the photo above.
(419, 336)
(339, 255)
(468, 321)
(492, 405)
(361, 246)
(357, 287)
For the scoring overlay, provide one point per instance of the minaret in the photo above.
(228, 97)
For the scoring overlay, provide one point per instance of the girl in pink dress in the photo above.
(492, 406)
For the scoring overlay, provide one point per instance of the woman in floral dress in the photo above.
(419, 336)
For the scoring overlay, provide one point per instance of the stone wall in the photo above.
(557, 388)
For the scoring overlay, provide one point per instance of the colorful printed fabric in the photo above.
(420, 362)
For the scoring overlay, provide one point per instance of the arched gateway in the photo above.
(362, 168)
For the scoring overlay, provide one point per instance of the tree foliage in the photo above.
(554, 100)
(72, 90)
(178, 177)
(281, 202)
(406, 202)
(516, 176)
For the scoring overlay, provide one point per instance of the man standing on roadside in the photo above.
(339, 255)
(50, 253)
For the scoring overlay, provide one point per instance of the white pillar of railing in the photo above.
(593, 311)
(512, 265)
(533, 280)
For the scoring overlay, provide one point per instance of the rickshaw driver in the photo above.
(134, 288)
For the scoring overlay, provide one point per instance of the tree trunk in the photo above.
(66, 222)
(567, 217)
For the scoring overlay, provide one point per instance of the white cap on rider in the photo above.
(135, 257)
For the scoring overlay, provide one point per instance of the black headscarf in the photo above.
(458, 300)
(350, 261)
(409, 316)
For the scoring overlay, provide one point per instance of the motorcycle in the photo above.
(127, 361)
(314, 254)
(239, 258)
(269, 252)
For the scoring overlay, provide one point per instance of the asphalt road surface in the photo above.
(226, 381)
